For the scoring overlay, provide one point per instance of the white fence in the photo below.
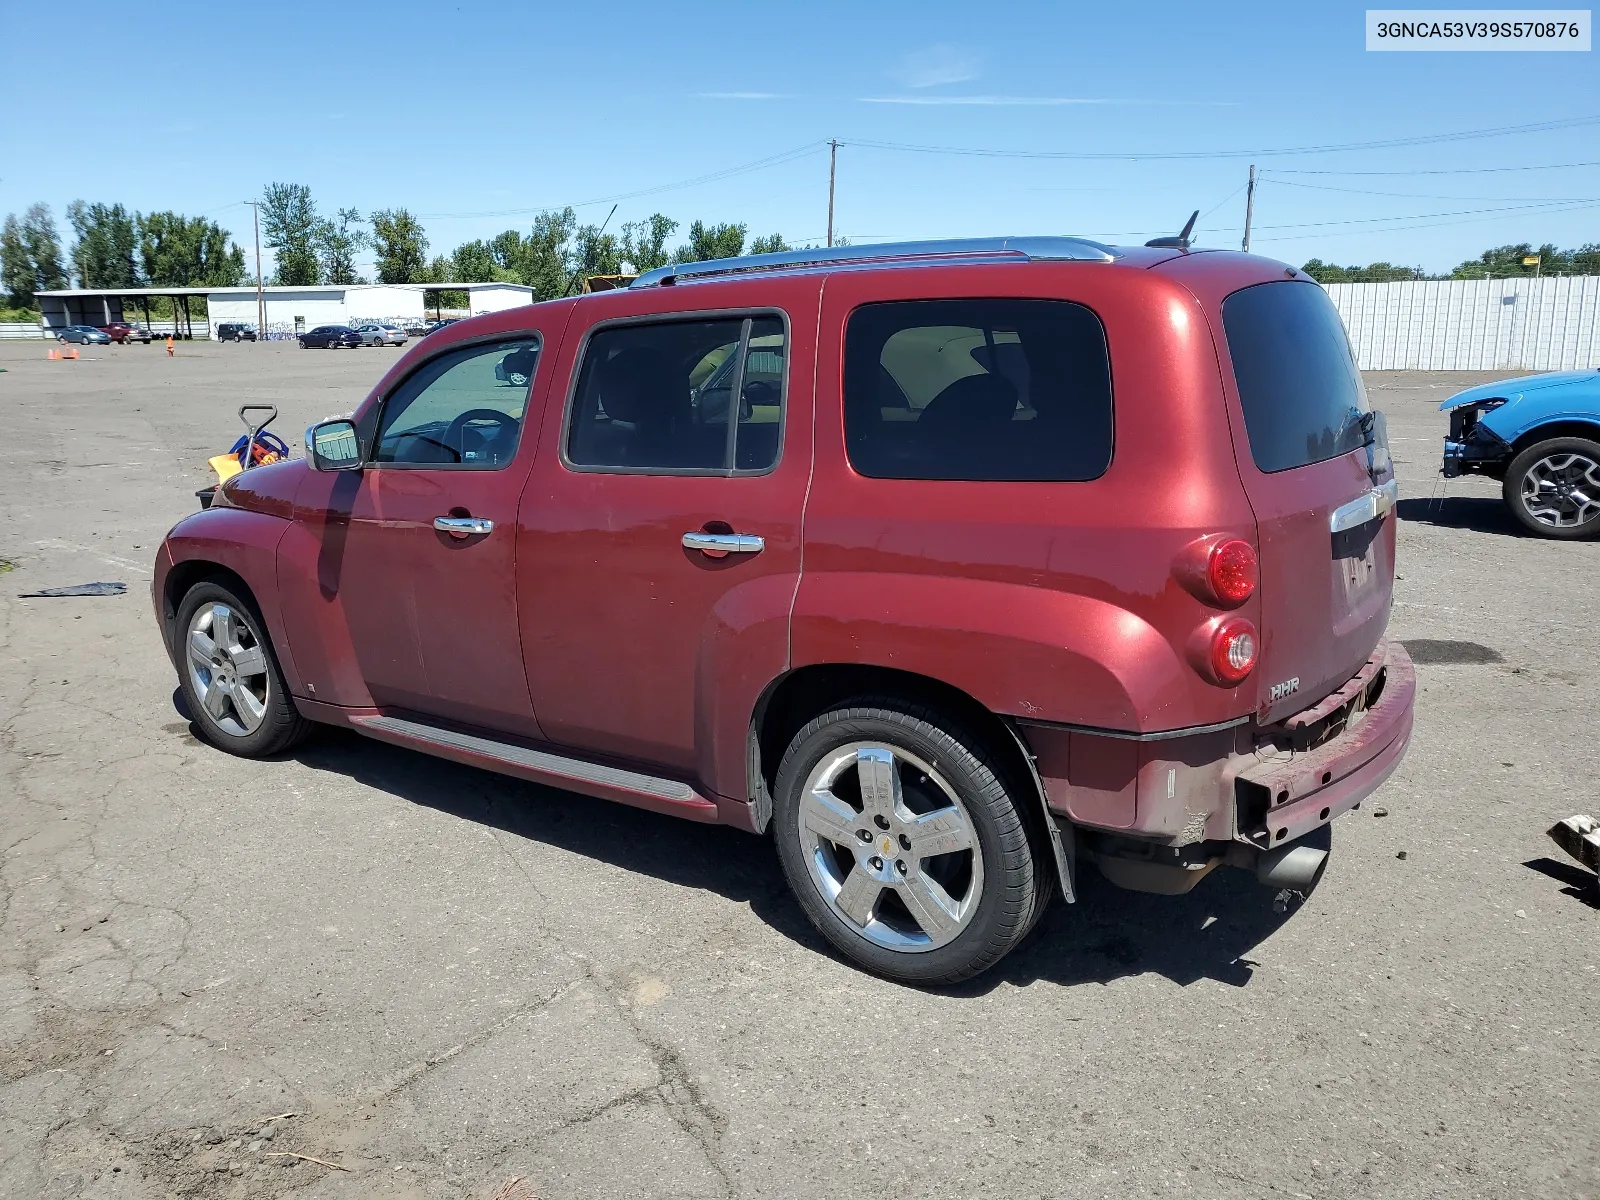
(1473, 324)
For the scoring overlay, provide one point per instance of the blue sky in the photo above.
(472, 115)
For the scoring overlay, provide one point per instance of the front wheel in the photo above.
(901, 841)
(1553, 488)
(230, 676)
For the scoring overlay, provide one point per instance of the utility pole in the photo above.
(1249, 207)
(833, 159)
(261, 299)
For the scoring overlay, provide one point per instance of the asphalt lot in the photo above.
(453, 980)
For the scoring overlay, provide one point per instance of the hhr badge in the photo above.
(1287, 688)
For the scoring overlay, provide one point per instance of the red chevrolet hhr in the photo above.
(950, 565)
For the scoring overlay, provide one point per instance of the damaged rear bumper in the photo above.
(1158, 815)
(1364, 729)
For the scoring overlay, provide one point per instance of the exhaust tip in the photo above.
(1297, 868)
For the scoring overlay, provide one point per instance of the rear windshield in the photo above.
(1303, 398)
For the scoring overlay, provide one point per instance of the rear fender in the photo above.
(744, 646)
(245, 543)
(1025, 652)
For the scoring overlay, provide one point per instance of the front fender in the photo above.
(1525, 414)
(1031, 653)
(245, 543)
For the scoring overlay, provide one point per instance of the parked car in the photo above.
(950, 575)
(381, 335)
(123, 333)
(1540, 436)
(88, 335)
(230, 331)
(330, 337)
(435, 326)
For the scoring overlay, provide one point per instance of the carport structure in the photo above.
(102, 306)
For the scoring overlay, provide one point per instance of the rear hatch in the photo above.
(1314, 460)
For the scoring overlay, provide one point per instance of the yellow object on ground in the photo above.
(226, 466)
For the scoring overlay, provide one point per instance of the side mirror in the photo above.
(333, 446)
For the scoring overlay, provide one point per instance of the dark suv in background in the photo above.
(233, 332)
(952, 566)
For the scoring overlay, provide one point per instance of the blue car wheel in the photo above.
(1553, 488)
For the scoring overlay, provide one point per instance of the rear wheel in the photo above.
(1553, 488)
(230, 676)
(901, 842)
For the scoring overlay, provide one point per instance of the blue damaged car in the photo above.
(1540, 436)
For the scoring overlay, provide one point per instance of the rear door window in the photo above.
(1303, 398)
(655, 397)
(977, 390)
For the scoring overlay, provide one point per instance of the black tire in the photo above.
(1531, 458)
(282, 726)
(1018, 874)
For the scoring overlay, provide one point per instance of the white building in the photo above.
(289, 310)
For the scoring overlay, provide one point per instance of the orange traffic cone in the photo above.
(169, 346)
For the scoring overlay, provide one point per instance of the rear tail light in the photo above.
(1232, 571)
(1233, 650)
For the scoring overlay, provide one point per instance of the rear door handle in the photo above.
(463, 526)
(724, 543)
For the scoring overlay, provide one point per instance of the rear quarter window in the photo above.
(1302, 395)
(993, 389)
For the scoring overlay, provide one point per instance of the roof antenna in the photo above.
(578, 270)
(1181, 242)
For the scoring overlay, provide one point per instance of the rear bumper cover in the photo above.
(1284, 793)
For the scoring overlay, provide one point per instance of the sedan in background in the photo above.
(381, 335)
(330, 337)
(86, 334)
(123, 333)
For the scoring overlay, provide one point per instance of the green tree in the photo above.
(290, 226)
(474, 263)
(338, 242)
(17, 275)
(106, 252)
(44, 248)
(178, 251)
(1503, 262)
(1586, 259)
(401, 245)
(592, 253)
(1378, 272)
(773, 244)
(644, 243)
(714, 241)
(508, 250)
(544, 266)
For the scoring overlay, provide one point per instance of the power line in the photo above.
(1444, 171)
(1300, 237)
(1331, 148)
(1323, 187)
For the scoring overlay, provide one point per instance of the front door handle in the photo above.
(718, 544)
(463, 526)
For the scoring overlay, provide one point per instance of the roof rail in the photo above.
(1015, 249)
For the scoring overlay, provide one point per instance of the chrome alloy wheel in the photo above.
(891, 847)
(1562, 490)
(228, 669)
